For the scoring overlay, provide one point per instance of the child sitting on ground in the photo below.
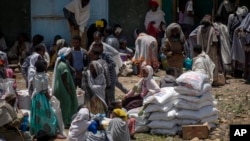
(130, 121)
(170, 79)
(81, 124)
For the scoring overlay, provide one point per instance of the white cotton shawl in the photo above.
(211, 38)
(79, 126)
(203, 64)
(225, 45)
(98, 84)
(151, 84)
(82, 14)
(173, 26)
(157, 17)
(143, 45)
(62, 52)
(237, 45)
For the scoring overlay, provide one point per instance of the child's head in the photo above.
(76, 41)
(41, 65)
(118, 103)
(123, 43)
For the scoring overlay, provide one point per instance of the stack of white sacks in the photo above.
(189, 103)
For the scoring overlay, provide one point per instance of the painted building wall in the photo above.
(15, 18)
(130, 14)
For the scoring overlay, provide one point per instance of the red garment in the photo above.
(10, 74)
(131, 126)
(153, 3)
(151, 30)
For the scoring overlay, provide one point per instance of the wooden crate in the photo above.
(191, 131)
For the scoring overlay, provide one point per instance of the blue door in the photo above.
(48, 20)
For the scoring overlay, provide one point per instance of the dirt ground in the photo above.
(233, 103)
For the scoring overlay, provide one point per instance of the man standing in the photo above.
(79, 60)
(226, 8)
(77, 13)
(188, 18)
(154, 20)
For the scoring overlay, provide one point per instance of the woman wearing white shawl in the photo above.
(94, 85)
(146, 51)
(240, 46)
(79, 126)
(224, 43)
(154, 19)
(174, 46)
(78, 12)
(145, 87)
(63, 87)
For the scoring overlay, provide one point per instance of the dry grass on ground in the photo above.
(233, 105)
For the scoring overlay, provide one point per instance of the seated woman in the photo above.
(130, 121)
(170, 79)
(10, 118)
(118, 127)
(43, 117)
(146, 86)
(94, 85)
(81, 125)
(20, 48)
(125, 52)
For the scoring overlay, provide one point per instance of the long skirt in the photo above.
(42, 116)
(132, 102)
(96, 105)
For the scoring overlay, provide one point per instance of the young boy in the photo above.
(170, 79)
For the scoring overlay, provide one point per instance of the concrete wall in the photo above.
(15, 18)
(130, 14)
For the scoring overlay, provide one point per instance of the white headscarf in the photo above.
(60, 42)
(150, 72)
(98, 84)
(172, 26)
(151, 84)
(82, 14)
(79, 125)
(242, 11)
(62, 53)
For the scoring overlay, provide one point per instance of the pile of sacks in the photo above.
(191, 102)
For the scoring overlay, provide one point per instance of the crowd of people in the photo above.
(96, 57)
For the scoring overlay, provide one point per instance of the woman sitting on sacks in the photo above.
(146, 86)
